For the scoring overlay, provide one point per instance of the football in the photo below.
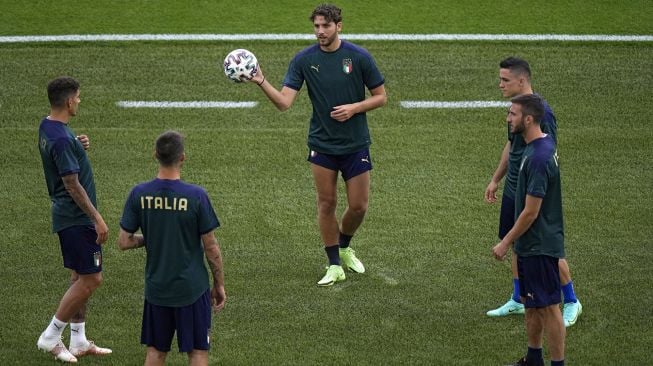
(240, 65)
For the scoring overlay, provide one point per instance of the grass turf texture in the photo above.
(427, 238)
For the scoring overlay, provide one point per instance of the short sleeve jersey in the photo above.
(517, 145)
(333, 79)
(539, 176)
(62, 154)
(172, 215)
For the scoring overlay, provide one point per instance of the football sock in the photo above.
(558, 363)
(55, 328)
(534, 356)
(515, 290)
(334, 255)
(344, 240)
(78, 334)
(568, 292)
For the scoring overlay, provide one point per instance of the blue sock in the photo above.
(515, 290)
(558, 363)
(568, 292)
(534, 356)
(334, 255)
(344, 240)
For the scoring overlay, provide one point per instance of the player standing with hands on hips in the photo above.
(75, 219)
(177, 222)
(538, 233)
(336, 73)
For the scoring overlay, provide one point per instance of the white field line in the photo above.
(462, 104)
(194, 104)
(297, 36)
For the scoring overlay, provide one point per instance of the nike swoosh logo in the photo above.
(56, 326)
(74, 330)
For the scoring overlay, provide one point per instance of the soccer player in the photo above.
(177, 223)
(336, 73)
(537, 232)
(75, 219)
(515, 79)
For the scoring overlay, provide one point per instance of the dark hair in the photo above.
(330, 12)
(169, 148)
(531, 105)
(60, 89)
(517, 66)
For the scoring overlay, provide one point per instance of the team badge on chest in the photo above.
(347, 65)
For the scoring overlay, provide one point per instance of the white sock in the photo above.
(78, 334)
(54, 329)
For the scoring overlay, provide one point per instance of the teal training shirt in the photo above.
(549, 126)
(172, 215)
(539, 176)
(62, 154)
(333, 79)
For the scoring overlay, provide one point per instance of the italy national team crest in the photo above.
(97, 259)
(347, 65)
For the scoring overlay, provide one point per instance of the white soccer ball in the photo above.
(240, 65)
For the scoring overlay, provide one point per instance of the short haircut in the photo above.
(60, 89)
(517, 66)
(169, 148)
(531, 105)
(330, 12)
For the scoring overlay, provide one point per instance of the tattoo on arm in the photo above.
(78, 194)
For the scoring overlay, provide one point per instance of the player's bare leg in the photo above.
(198, 358)
(77, 295)
(358, 192)
(555, 332)
(327, 200)
(154, 357)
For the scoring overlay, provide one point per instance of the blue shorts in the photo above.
(507, 217)
(192, 323)
(79, 250)
(350, 165)
(539, 280)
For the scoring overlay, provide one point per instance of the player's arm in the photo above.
(499, 173)
(214, 258)
(524, 221)
(377, 99)
(78, 194)
(128, 240)
(281, 99)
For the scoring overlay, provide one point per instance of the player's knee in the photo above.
(326, 206)
(92, 282)
(359, 209)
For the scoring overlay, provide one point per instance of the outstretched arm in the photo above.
(281, 99)
(344, 112)
(214, 258)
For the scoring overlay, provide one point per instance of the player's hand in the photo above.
(259, 77)
(218, 298)
(86, 143)
(491, 192)
(500, 250)
(102, 231)
(343, 112)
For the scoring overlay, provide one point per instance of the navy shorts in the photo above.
(192, 324)
(507, 217)
(79, 250)
(539, 280)
(350, 165)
